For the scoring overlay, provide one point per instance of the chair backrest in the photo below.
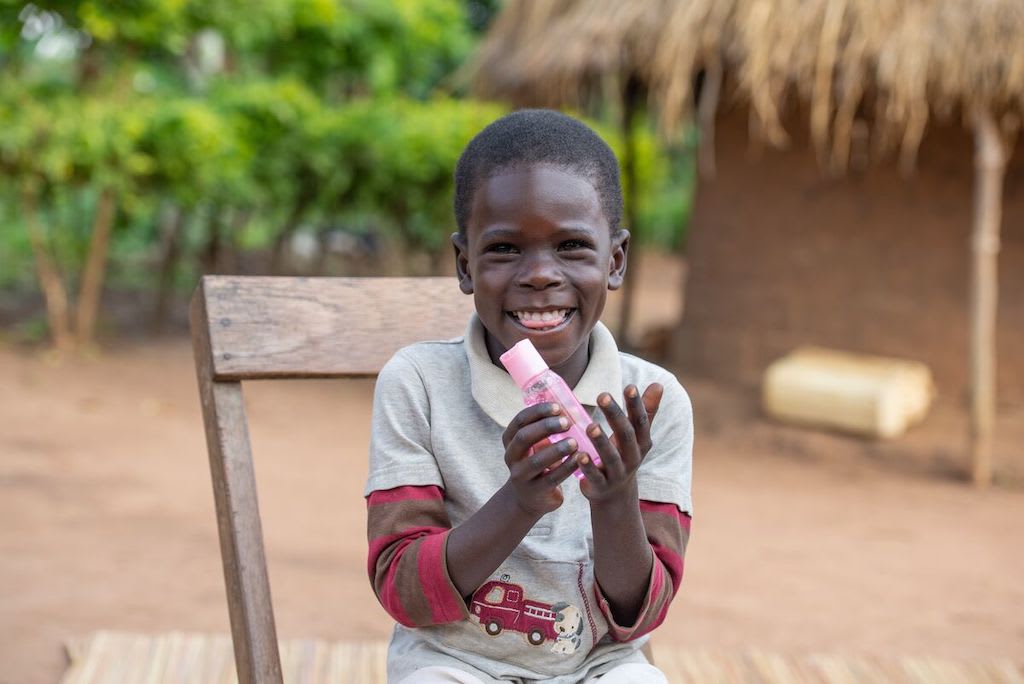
(248, 328)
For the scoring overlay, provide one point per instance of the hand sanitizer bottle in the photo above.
(539, 384)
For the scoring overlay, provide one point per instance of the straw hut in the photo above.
(860, 178)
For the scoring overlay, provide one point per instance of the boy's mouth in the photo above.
(541, 321)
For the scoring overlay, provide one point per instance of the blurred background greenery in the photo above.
(143, 143)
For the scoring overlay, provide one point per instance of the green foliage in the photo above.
(198, 155)
(295, 113)
(71, 140)
(15, 252)
(403, 153)
(357, 47)
(270, 120)
(666, 175)
(370, 48)
(664, 178)
(219, 106)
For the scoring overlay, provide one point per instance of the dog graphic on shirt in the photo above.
(569, 625)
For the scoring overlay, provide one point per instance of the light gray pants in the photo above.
(629, 673)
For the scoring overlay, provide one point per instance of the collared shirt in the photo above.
(436, 457)
(500, 397)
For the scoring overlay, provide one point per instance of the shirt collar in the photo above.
(500, 397)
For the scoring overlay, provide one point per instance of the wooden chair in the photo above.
(256, 328)
(259, 328)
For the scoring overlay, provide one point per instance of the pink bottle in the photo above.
(539, 384)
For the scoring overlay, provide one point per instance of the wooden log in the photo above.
(989, 171)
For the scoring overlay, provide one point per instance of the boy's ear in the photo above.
(618, 258)
(462, 263)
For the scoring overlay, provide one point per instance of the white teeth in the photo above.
(542, 316)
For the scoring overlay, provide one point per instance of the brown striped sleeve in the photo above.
(668, 531)
(407, 529)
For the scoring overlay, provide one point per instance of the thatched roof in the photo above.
(892, 63)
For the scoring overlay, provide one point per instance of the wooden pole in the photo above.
(630, 105)
(989, 169)
(707, 108)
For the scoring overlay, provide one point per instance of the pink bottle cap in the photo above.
(523, 362)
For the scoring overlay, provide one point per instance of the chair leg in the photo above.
(238, 518)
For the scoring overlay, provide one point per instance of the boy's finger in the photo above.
(557, 475)
(625, 435)
(609, 455)
(652, 399)
(638, 417)
(530, 414)
(592, 471)
(532, 433)
(541, 459)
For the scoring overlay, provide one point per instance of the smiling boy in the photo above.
(493, 564)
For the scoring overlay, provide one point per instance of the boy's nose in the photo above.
(539, 272)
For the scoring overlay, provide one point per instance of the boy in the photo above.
(494, 564)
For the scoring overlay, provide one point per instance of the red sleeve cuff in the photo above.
(652, 611)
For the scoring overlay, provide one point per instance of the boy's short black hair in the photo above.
(538, 136)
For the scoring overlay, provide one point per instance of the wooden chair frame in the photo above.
(258, 328)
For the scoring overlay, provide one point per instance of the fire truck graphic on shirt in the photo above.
(500, 605)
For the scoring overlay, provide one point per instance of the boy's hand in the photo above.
(622, 454)
(535, 474)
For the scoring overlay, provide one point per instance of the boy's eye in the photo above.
(501, 248)
(570, 245)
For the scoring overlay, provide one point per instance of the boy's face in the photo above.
(539, 260)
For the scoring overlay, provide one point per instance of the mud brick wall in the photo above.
(781, 255)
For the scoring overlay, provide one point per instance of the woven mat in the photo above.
(178, 658)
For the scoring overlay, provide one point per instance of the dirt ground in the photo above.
(802, 542)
